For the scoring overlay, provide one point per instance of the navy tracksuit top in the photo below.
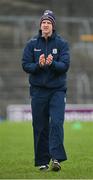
(53, 76)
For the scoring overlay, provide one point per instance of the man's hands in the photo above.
(47, 61)
(42, 60)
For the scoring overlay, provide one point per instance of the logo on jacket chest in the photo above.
(54, 51)
(35, 49)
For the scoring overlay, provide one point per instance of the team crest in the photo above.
(54, 51)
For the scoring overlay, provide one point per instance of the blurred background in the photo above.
(19, 21)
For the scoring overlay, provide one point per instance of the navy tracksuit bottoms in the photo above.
(48, 108)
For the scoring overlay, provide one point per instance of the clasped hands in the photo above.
(47, 61)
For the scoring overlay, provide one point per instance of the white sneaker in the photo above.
(56, 165)
(43, 167)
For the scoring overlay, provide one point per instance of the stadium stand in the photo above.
(16, 29)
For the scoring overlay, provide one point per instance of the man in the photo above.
(46, 60)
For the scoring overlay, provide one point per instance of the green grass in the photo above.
(17, 159)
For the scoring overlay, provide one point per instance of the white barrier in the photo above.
(82, 112)
(19, 112)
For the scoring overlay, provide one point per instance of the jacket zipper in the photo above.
(46, 53)
(46, 49)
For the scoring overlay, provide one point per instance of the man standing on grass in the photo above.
(46, 60)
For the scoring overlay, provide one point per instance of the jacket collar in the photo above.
(50, 37)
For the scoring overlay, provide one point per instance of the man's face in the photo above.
(46, 27)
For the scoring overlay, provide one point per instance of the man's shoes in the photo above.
(44, 167)
(56, 165)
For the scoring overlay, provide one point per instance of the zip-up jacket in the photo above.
(53, 76)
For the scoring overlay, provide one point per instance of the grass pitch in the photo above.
(17, 157)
